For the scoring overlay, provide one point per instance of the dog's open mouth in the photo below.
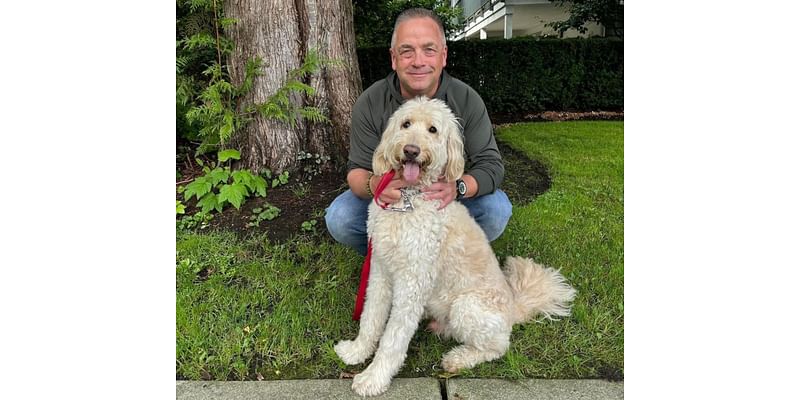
(411, 170)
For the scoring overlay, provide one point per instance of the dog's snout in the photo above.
(411, 151)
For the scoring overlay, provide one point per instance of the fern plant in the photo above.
(217, 115)
(280, 107)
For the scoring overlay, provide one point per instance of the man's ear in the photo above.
(455, 151)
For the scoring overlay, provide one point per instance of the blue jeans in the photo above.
(346, 217)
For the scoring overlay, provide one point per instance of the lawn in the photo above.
(252, 309)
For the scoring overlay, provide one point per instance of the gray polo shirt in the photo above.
(376, 104)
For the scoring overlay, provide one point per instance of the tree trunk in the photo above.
(281, 32)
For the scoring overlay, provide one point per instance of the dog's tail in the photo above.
(537, 290)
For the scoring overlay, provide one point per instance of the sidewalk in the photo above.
(405, 389)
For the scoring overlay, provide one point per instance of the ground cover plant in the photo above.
(261, 306)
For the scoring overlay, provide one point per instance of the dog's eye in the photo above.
(432, 129)
(406, 124)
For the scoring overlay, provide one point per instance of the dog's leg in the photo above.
(373, 320)
(484, 333)
(410, 293)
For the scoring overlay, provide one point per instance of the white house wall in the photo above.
(528, 18)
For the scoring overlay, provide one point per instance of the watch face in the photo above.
(462, 187)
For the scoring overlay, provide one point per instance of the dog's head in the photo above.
(423, 142)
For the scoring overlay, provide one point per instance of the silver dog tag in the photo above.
(407, 205)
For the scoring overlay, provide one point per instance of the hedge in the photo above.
(527, 74)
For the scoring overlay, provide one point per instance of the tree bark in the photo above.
(281, 32)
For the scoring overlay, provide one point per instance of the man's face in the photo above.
(418, 57)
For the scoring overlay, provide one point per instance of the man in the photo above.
(419, 55)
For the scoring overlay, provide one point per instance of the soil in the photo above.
(558, 116)
(304, 200)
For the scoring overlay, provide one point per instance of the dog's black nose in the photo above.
(411, 151)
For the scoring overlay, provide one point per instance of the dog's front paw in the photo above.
(368, 383)
(453, 362)
(351, 352)
(451, 366)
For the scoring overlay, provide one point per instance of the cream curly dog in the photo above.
(438, 263)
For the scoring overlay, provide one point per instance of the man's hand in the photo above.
(441, 190)
(392, 194)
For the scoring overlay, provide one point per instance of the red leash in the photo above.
(362, 286)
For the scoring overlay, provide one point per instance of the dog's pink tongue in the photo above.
(411, 172)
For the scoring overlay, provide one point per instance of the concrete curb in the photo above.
(534, 389)
(403, 388)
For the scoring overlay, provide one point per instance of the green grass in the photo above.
(247, 307)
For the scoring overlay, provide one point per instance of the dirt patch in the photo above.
(525, 179)
(299, 202)
(546, 116)
(610, 373)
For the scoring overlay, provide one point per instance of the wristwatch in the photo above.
(461, 189)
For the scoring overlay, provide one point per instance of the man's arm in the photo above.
(363, 141)
(357, 179)
(484, 164)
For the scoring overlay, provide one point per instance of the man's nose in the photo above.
(419, 59)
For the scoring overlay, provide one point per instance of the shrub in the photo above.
(527, 74)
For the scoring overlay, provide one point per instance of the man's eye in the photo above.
(406, 124)
(432, 129)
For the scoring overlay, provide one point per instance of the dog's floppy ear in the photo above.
(380, 158)
(455, 150)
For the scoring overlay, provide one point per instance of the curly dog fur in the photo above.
(439, 264)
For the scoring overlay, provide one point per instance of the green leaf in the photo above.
(270, 213)
(281, 179)
(253, 182)
(226, 130)
(198, 188)
(233, 193)
(260, 186)
(217, 176)
(242, 176)
(252, 69)
(227, 22)
(200, 40)
(179, 207)
(227, 154)
(209, 202)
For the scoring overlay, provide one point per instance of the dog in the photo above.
(432, 263)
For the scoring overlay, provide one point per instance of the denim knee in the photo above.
(346, 221)
(491, 211)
